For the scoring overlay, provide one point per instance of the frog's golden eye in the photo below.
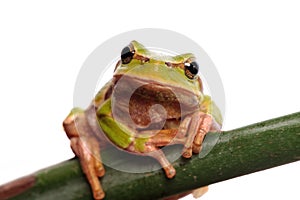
(191, 69)
(127, 55)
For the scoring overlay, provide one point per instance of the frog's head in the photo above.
(146, 66)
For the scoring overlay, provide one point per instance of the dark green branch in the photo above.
(238, 152)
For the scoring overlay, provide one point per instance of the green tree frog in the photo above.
(152, 100)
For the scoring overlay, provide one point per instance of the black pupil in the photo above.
(126, 55)
(192, 67)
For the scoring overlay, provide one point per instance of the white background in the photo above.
(255, 46)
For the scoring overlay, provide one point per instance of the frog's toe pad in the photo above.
(170, 171)
(187, 152)
(197, 148)
(98, 194)
(100, 171)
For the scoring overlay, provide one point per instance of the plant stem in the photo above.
(238, 152)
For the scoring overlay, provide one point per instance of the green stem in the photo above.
(238, 152)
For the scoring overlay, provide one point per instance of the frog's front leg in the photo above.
(161, 138)
(159, 155)
(86, 148)
(200, 124)
(164, 137)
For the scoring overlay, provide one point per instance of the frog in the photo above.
(153, 100)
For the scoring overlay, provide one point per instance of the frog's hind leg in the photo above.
(86, 148)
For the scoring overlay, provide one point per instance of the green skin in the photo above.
(161, 80)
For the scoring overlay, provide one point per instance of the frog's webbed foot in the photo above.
(87, 149)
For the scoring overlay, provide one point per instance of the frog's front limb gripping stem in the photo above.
(200, 124)
(167, 166)
(87, 149)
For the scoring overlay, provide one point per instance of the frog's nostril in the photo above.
(168, 64)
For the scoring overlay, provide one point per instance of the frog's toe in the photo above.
(187, 152)
(197, 148)
(98, 194)
(170, 171)
(100, 171)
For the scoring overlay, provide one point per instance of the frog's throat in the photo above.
(133, 81)
(187, 98)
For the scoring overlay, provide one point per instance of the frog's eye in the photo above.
(191, 69)
(127, 55)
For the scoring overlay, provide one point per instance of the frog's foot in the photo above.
(177, 196)
(87, 149)
(197, 193)
(199, 126)
(207, 125)
(90, 165)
